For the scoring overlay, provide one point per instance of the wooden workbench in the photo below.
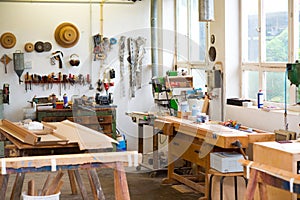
(194, 142)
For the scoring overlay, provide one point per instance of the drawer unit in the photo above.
(190, 150)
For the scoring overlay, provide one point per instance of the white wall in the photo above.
(31, 22)
(268, 121)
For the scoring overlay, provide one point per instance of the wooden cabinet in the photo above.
(100, 118)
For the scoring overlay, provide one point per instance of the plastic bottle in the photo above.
(195, 110)
(260, 99)
(65, 97)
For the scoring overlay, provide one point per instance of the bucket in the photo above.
(48, 197)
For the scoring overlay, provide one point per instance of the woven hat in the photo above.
(8, 40)
(66, 35)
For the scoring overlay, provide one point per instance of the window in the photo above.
(191, 39)
(269, 41)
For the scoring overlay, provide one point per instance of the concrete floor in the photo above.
(141, 185)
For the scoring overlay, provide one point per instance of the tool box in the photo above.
(226, 162)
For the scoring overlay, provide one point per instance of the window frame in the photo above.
(191, 64)
(262, 66)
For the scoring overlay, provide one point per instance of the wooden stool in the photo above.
(214, 172)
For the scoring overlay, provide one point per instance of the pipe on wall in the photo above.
(154, 37)
(206, 10)
(70, 1)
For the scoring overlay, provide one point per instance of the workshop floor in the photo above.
(142, 185)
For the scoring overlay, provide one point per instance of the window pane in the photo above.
(276, 35)
(275, 86)
(182, 27)
(250, 33)
(197, 33)
(199, 78)
(251, 84)
(296, 32)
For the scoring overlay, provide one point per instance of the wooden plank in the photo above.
(189, 183)
(81, 186)
(58, 187)
(251, 186)
(54, 183)
(93, 187)
(72, 159)
(277, 172)
(31, 188)
(95, 184)
(18, 185)
(20, 145)
(3, 184)
(72, 181)
(263, 191)
(18, 132)
(46, 185)
(85, 137)
(121, 186)
(205, 104)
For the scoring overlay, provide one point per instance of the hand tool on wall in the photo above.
(30, 81)
(5, 60)
(26, 80)
(58, 55)
(64, 80)
(59, 82)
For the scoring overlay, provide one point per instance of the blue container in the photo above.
(122, 143)
(260, 100)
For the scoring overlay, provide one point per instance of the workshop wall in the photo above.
(32, 22)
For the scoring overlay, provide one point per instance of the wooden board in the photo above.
(183, 189)
(85, 137)
(26, 136)
(18, 132)
(130, 157)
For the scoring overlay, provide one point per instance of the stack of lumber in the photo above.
(38, 137)
(58, 133)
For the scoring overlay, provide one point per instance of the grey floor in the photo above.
(142, 185)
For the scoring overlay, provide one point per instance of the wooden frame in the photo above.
(263, 175)
(72, 163)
